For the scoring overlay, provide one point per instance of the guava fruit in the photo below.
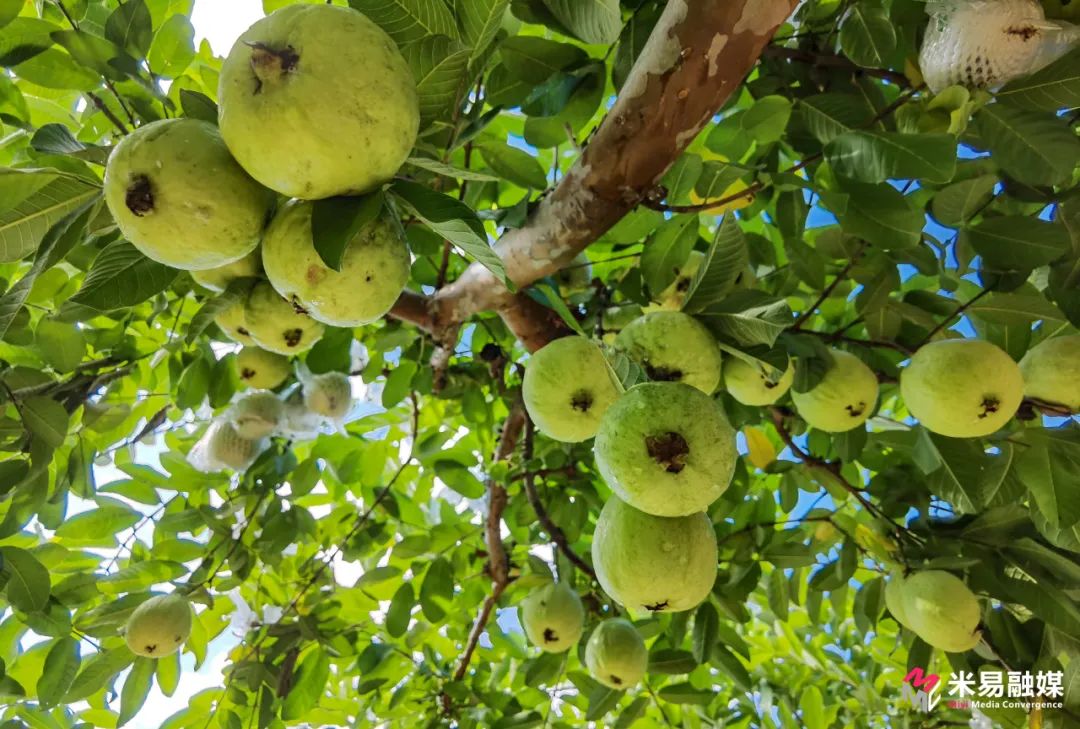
(673, 347)
(221, 447)
(962, 388)
(844, 398)
(374, 269)
(941, 610)
(1051, 370)
(755, 385)
(260, 369)
(656, 563)
(328, 395)
(234, 324)
(276, 325)
(553, 617)
(256, 414)
(181, 199)
(218, 279)
(159, 626)
(567, 387)
(317, 101)
(666, 448)
(674, 296)
(894, 598)
(298, 422)
(575, 277)
(616, 655)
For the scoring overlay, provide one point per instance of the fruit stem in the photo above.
(271, 65)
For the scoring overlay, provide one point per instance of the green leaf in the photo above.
(445, 170)
(27, 580)
(1035, 148)
(57, 139)
(953, 206)
(480, 21)
(672, 661)
(548, 296)
(409, 20)
(827, 116)
(198, 106)
(1017, 243)
(515, 165)
(881, 215)
(400, 610)
(62, 344)
(92, 51)
(99, 526)
(459, 478)
(9, 9)
(437, 589)
(61, 665)
(120, 277)
(534, 60)
(173, 49)
(706, 621)
(767, 119)
(867, 36)
(168, 673)
(24, 38)
(440, 66)
(666, 251)
(335, 221)
(46, 419)
(237, 290)
(1050, 468)
(97, 671)
(592, 21)
(726, 259)
(880, 156)
(130, 26)
(44, 198)
(968, 477)
(778, 594)
(1054, 87)
(685, 693)
(748, 318)
(140, 576)
(136, 689)
(309, 682)
(812, 706)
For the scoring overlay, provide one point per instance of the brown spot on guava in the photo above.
(581, 401)
(269, 64)
(663, 374)
(669, 450)
(315, 274)
(550, 636)
(247, 373)
(615, 680)
(856, 410)
(243, 330)
(1026, 32)
(140, 196)
(296, 305)
(990, 405)
(293, 336)
(657, 606)
(683, 284)
(150, 648)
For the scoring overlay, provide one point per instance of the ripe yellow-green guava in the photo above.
(277, 325)
(894, 598)
(666, 448)
(754, 384)
(567, 387)
(260, 369)
(179, 197)
(575, 277)
(256, 414)
(616, 655)
(962, 388)
(234, 324)
(317, 101)
(657, 563)
(159, 626)
(673, 347)
(374, 269)
(553, 617)
(844, 398)
(218, 279)
(941, 610)
(1051, 370)
(674, 296)
(221, 447)
(328, 395)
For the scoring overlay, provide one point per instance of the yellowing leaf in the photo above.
(762, 451)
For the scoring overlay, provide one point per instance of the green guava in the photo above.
(616, 655)
(221, 447)
(317, 101)
(575, 277)
(234, 324)
(674, 296)
(617, 318)
(673, 347)
(276, 325)
(260, 369)
(941, 610)
(159, 626)
(1051, 370)
(179, 197)
(329, 395)
(257, 414)
(567, 387)
(666, 448)
(657, 563)
(374, 269)
(218, 279)
(755, 385)
(844, 398)
(894, 598)
(962, 388)
(553, 617)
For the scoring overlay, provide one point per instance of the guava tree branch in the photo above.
(695, 59)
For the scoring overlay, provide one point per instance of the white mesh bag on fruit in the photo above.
(221, 447)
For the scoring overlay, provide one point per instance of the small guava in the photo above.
(674, 296)
(941, 610)
(374, 269)
(1051, 370)
(181, 199)
(845, 397)
(754, 384)
(329, 395)
(666, 448)
(256, 414)
(656, 563)
(673, 347)
(260, 369)
(894, 598)
(962, 388)
(232, 322)
(273, 97)
(553, 617)
(276, 325)
(617, 318)
(299, 423)
(616, 655)
(221, 447)
(218, 279)
(567, 387)
(159, 626)
(576, 277)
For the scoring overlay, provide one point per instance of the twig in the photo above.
(872, 343)
(825, 60)
(827, 291)
(447, 245)
(557, 535)
(109, 114)
(108, 84)
(956, 312)
(659, 706)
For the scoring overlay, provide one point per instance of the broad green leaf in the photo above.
(445, 170)
(747, 318)
(1035, 148)
(309, 682)
(1016, 243)
(97, 671)
(767, 119)
(867, 35)
(515, 165)
(812, 706)
(399, 612)
(881, 156)
(335, 221)
(25, 220)
(548, 296)
(955, 205)
(437, 589)
(533, 60)
(100, 525)
(140, 576)
(173, 47)
(703, 638)
(407, 21)
(685, 693)
(1057, 86)
(458, 478)
(881, 215)
(440, 66)
(480, 23)
(26, 579)
(24, 38)
(46, 419)
(726, 259)
(122, 276)
(62, 344)
(130, 26)
(827, 116)
(1049, 468)
(136, 689)
(593, 21)
(968, 477)
(666, 251)
(61, 665)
